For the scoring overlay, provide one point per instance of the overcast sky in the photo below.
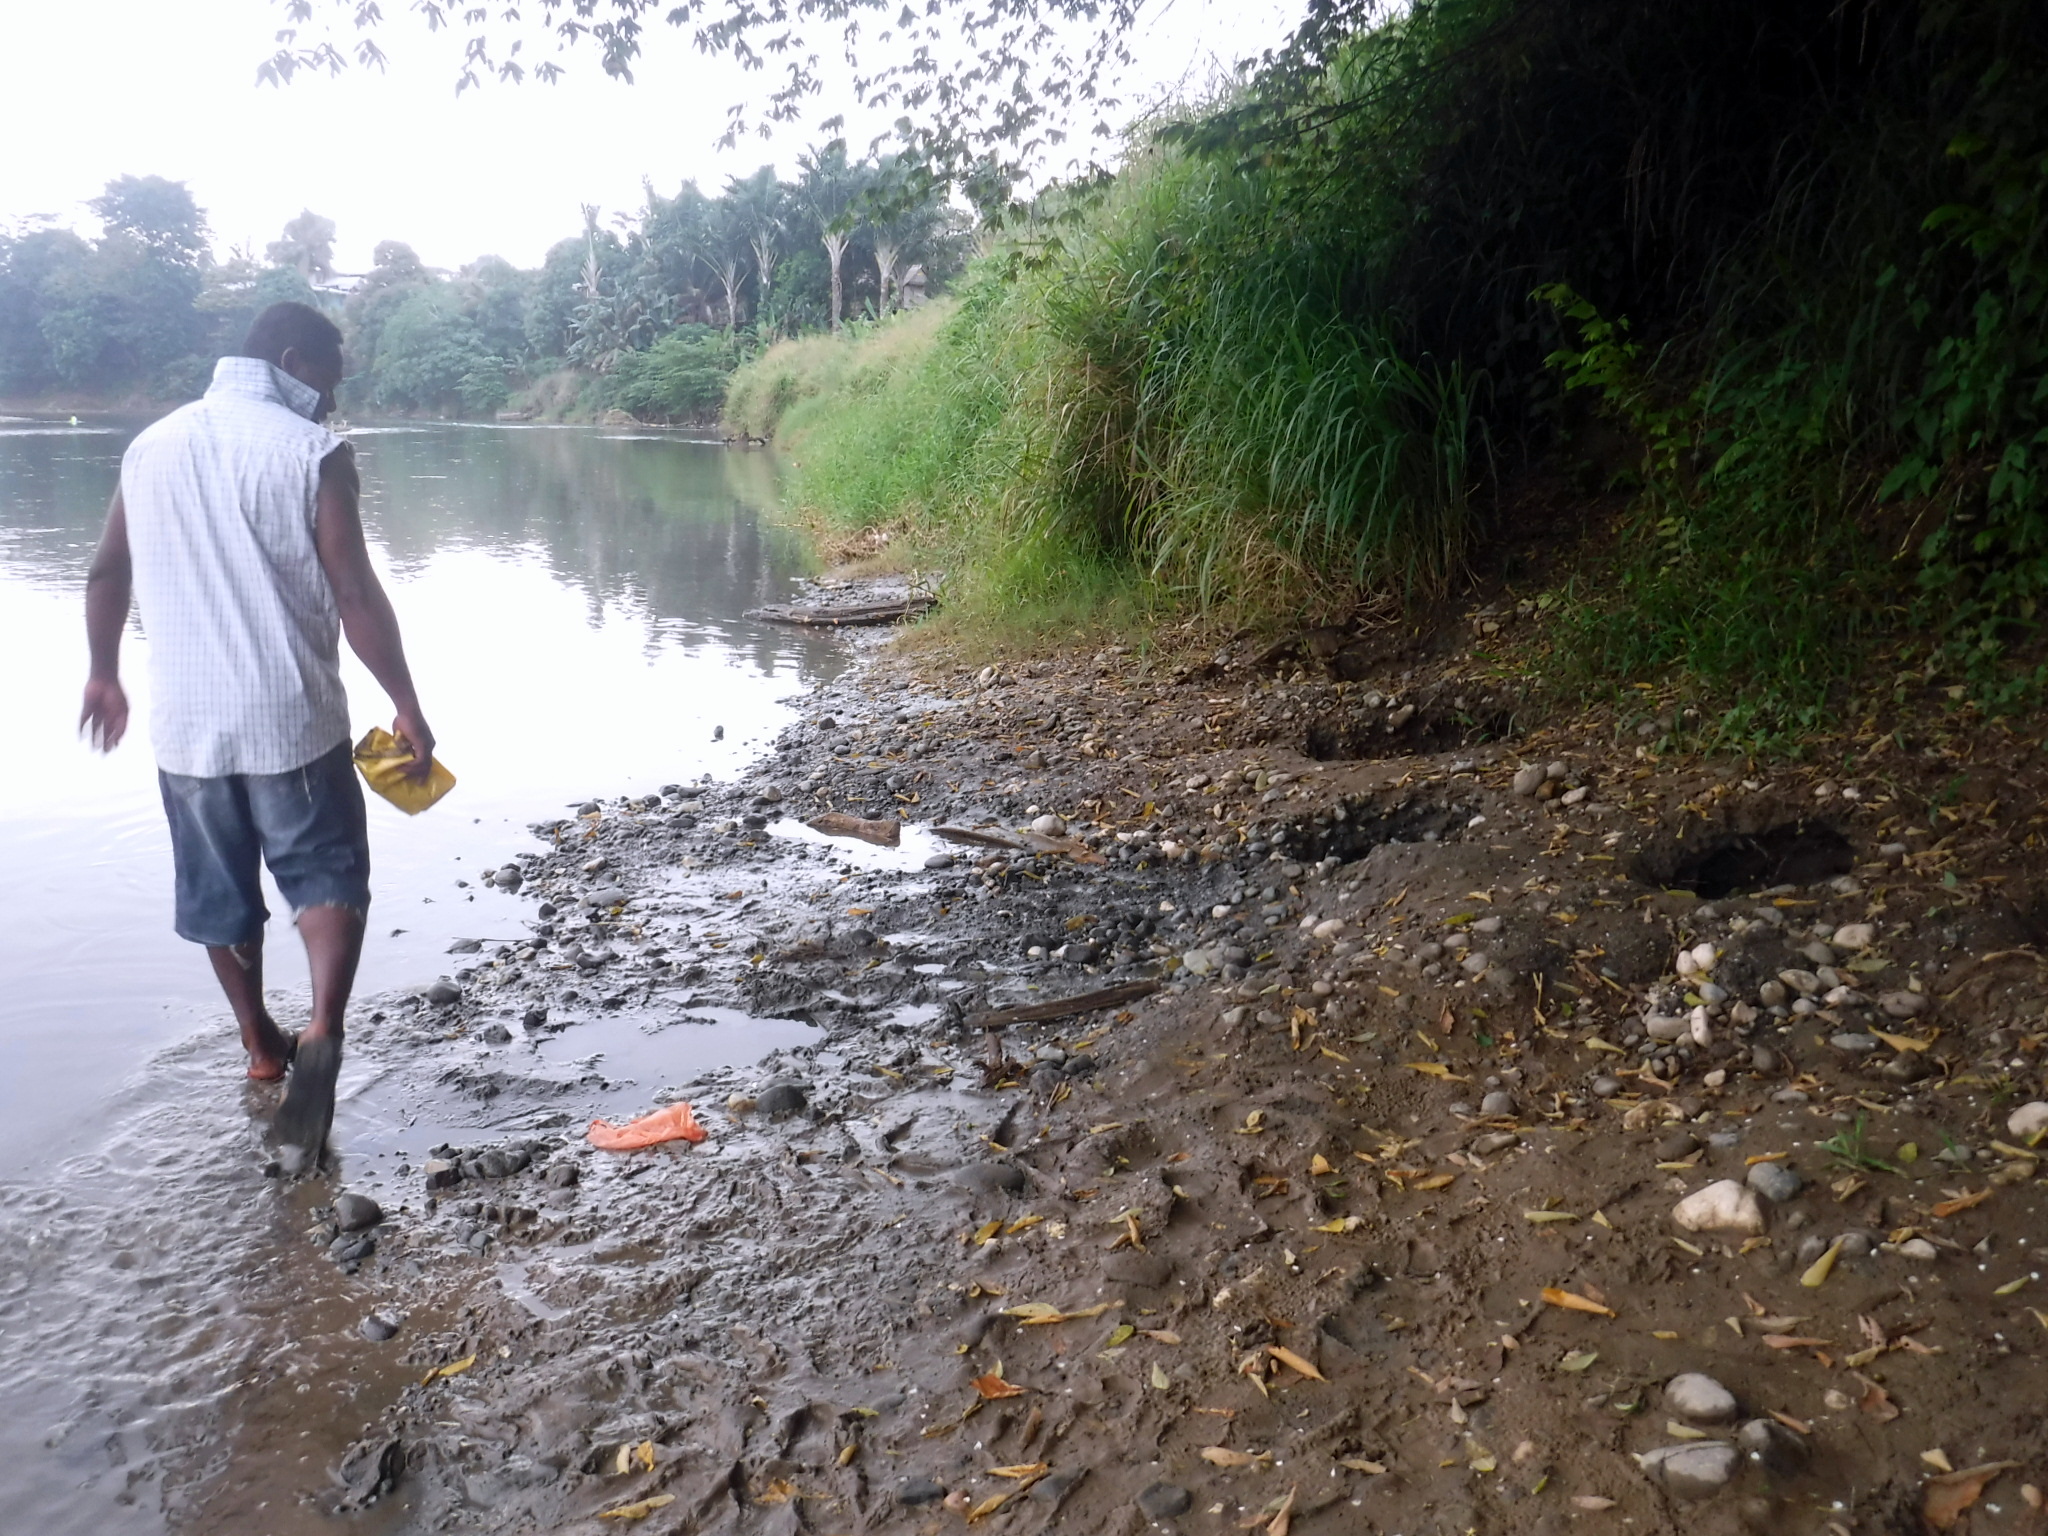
(156, 87)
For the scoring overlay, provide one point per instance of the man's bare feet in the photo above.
(271, 1058)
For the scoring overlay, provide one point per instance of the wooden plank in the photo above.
(1066, 1007)
(844, 615)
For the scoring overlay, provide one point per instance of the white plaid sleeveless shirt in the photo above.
(244, 635)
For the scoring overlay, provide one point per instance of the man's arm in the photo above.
(108, 587)
(366, 615)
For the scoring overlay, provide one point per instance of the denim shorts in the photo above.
(308, 825)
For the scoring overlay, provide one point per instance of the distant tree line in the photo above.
(648, 311)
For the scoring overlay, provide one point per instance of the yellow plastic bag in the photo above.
(382, 757)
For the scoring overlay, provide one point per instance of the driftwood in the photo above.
(1021, 842)
(844, 615)
(1066, 1007)
(885, 833)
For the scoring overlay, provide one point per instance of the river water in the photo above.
(572, 603)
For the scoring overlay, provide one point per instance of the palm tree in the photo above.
(830, 186)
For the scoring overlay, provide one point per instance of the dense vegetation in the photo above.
(649, 315)
(1744, 301)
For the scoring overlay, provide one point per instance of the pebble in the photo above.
(1052, 1488)
(915, 1491)
(1529, 779)
(439, 1173)
(1199, 962)
(1494, 1141)
(1772, 994)
(1605, 1087)
(1903, 1005)
(1773, 1447)
(939, 861)
(563, 1176)
(1818, 952)
(1134, 1268)
(1919, 1250)
(1667, 1026)
(1723, 1206)
(378, 1327)
(779, 1099)
(1476, 963)
(354, 1212)
(1692, 1471)
(1854, 1043)
(1763, 1058)
(1774, 1181)
(1166, 1501)
(1330, 927)
(2028, 1121)
(1497, 1103)
(443, 991)
(1676, 1145)
(1854, 936)
(1700, 1398)
(1805, 983)
(1050, 825)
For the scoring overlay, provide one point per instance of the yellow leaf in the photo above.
(1160, 1380)
(1021, 1224)
(985, 1233)
(1161, 1335)
(639, 1509)
(2010, 1286)
(1254, 1123)
(1029, 1310)
(989, 1505)
(1320, 1165)
(1360, 1464)
(1541, 1217)
(1963, 1202)
(993, 1386)
(1902, 1042)
(847, 1452)
(1224, 1456)
(1817, 1273)
(1120, 1335)
(1024, 1469)
(453, 1368)
(1571, 1301)
(1294, 1362)
(1340, 1224)
(1435, 1069)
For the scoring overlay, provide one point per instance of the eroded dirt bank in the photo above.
(1453, 1014)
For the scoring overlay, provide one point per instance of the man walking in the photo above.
(237, 530)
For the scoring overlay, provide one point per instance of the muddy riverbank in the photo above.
(1366, 1219)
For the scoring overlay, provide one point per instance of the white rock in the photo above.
(1724, 1206)
(1805, 983)
(1575, 796)
(1703, 957)
(1919, 1250)
(1713, 994)
(1477, 961)
(1330, 927)
(1700, 1398)
(1854, 936)
(1528, 779)
(1667, 1026)
(1903, 1005)
(1692, 1471)
(1683, 964)
(1557, 769)
(2028, 1121)
(1772, 994)
(1700, 1026)
(1844, 997)
(1199, 961)
(1050, 825)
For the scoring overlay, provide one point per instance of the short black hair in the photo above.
(289, 326)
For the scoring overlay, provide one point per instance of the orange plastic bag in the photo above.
(674, 1123)
(382, 759)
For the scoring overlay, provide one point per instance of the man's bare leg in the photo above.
(334, 943)
(239, 969)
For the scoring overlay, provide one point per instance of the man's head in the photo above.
(301, 341)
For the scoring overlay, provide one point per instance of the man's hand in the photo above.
(411, 728)
(105, 715)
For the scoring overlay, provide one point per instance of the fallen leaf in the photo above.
(1938, 1459)
(1021, 1224)
(1320, 1165)
(990, 1505)
(1284, 1517)
(452, 1368)
(1953, 1492)
(1122, 1332)
(1574, 1303)
(993, 1386)
(1224, 1456)
(1339, 1225)
(1294, 1362)
(1791, 1341)
(1963, 1203)
(1578, 1360)
(639, 1509)
(1818, 1271)
(1875, 1400)
(1591, 1501)
(1902, 1042)
(1360, 1464)
(1543, 1217)
(1436, 1181)
(1026, 1469)
(1160, 1380)
(986, 1232)
(643, 1453)
(1678, 1431)
(1435, 1069)
(1161, 1335)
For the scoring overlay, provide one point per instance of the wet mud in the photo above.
(1361, 1218)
